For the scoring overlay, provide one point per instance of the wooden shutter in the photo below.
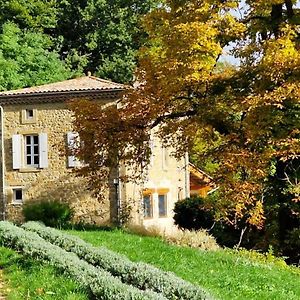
(73, 139)
(43, 150)
(17, 151)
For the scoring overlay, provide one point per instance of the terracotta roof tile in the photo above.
(86, 83)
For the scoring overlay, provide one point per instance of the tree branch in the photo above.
(289, 8)
(173, 116)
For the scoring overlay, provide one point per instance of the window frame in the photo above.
(14, 190)
(34, 153)
(26, 118)
(20, 153)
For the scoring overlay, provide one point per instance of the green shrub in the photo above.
(197, 213)
(192, 214)
(52, 213)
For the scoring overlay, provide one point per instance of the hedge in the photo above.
(140, 275)
(99, 282)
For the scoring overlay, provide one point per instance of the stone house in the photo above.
(36, 125)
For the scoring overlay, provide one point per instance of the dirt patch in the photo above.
(2, 297)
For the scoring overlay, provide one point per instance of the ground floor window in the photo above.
(17, 195)
(148, 208)
(162, 205)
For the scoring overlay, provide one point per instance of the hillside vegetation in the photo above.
(224, 274)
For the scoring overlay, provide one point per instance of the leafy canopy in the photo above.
(26, 59)
(100, 36)
(252, 109)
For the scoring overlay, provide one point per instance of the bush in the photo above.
(191, 213)
(192, 238)
(197, 213)
(140, 275)
(52, 213)
(182, 237)
(99, 282)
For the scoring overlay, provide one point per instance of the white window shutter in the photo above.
(17, 151)
(43, 150)
(73, 139)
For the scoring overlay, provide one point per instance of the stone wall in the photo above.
(57, 181)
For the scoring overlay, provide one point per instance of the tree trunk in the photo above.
(241, 237)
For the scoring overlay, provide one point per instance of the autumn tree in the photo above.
(253, 110)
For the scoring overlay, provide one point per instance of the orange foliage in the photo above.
(254, 108)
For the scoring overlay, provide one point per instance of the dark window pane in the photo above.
(36, 149)
(18, 194)
(36, 160)
(162, 205)
(35, 139)
(28, 160)
(147, 207)
(28, 139)
(29, 113)
(28, 150)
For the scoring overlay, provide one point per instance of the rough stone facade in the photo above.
(57, 181)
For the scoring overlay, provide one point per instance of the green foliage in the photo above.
(103, 35)
(100, 36)
(267, 257)
(204, 213)
(282, 208)
(52, 213)
(29, 14)
(140, 275)
(193, 213)
(26, 59)
(99, 282)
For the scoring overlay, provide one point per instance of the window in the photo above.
(29, 114)
(30, 151)
(162, 205)
(32, 158)
(148, 210)
(17, 195)
(73, 141)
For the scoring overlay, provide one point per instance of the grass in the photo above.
(226, 274)
(25, 278)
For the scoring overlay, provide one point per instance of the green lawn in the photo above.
(226, 275)
(25, 278)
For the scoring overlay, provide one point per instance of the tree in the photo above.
(102, 36)
(38, 15)
(253, 109)
(99, 36)
(26, 59)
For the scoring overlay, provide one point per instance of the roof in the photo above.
(78, 84)
(198, 177)
(81, 86)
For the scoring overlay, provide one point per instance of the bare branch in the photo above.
(173, 116)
